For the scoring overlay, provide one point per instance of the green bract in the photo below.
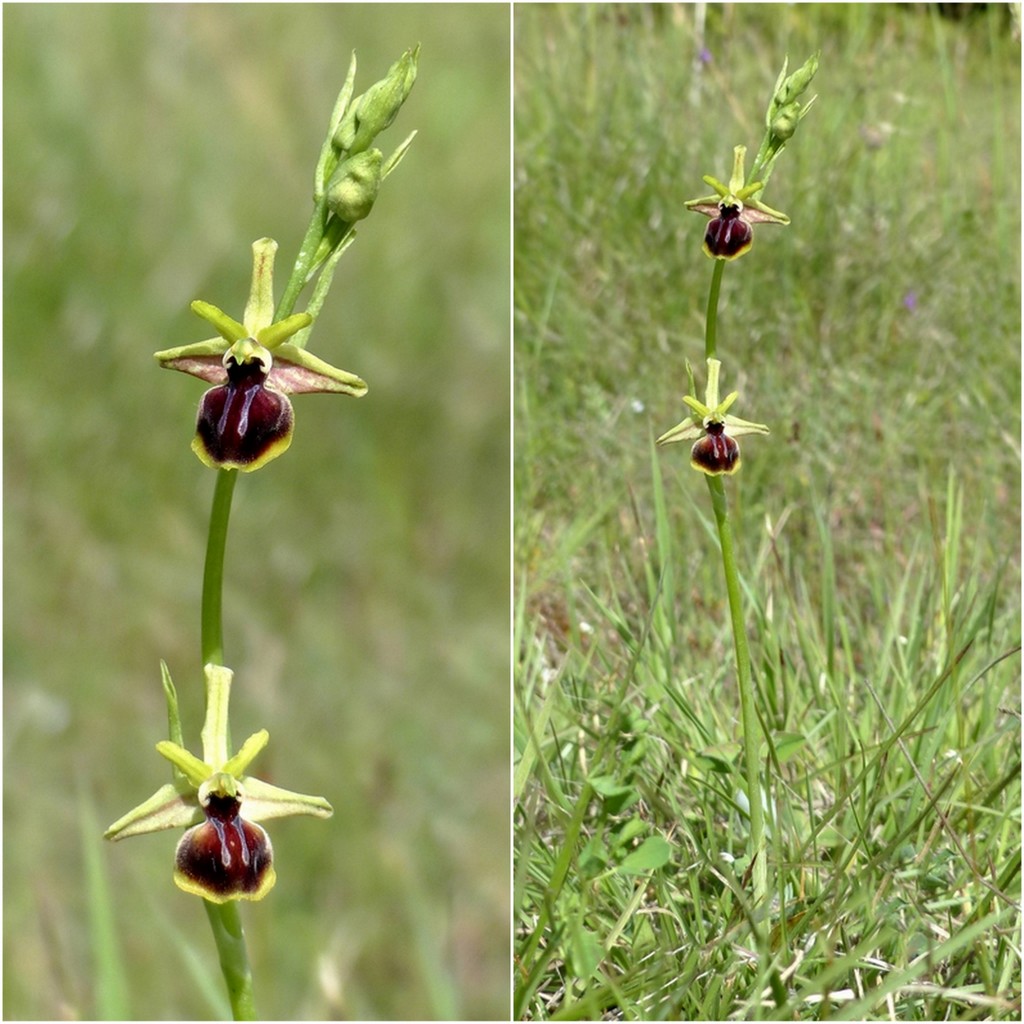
(247, 420)
(224, 855)
(715, 452)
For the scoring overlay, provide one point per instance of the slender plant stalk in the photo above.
(304, 261)
(213, 572)
(225, 920)
(711, 318)
(226, 923)
(744, 681)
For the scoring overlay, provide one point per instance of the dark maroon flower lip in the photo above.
(225, 857)
(716, 453)
(728, 235)
(245, 422)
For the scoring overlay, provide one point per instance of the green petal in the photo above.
(722, 190)
(272, 336)
(720, 410)
(247, 753)
(697, 406)
(227, 327)
(196, 771)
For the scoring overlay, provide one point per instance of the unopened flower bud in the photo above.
(793, 86)
(372, 112)
(353, 187)
(785, 121)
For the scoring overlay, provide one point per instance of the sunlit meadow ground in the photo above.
(879, 524)
(366, 601)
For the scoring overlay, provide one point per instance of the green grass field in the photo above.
(366, 604)
(878, 526)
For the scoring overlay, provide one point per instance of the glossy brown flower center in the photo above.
(728, 234)
(241, 420)
(226, 855)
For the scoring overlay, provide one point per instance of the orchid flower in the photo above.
(224, 855)
(247, 419)
(715, 450)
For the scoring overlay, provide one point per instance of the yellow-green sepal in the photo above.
(297, 371)
(173, 805)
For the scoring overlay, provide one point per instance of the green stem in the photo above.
(304, 261)
(711, 319)
(213, 571)
(748, 713)
(226, 923)
(744, 681)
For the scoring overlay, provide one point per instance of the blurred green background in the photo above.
(367, 578)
